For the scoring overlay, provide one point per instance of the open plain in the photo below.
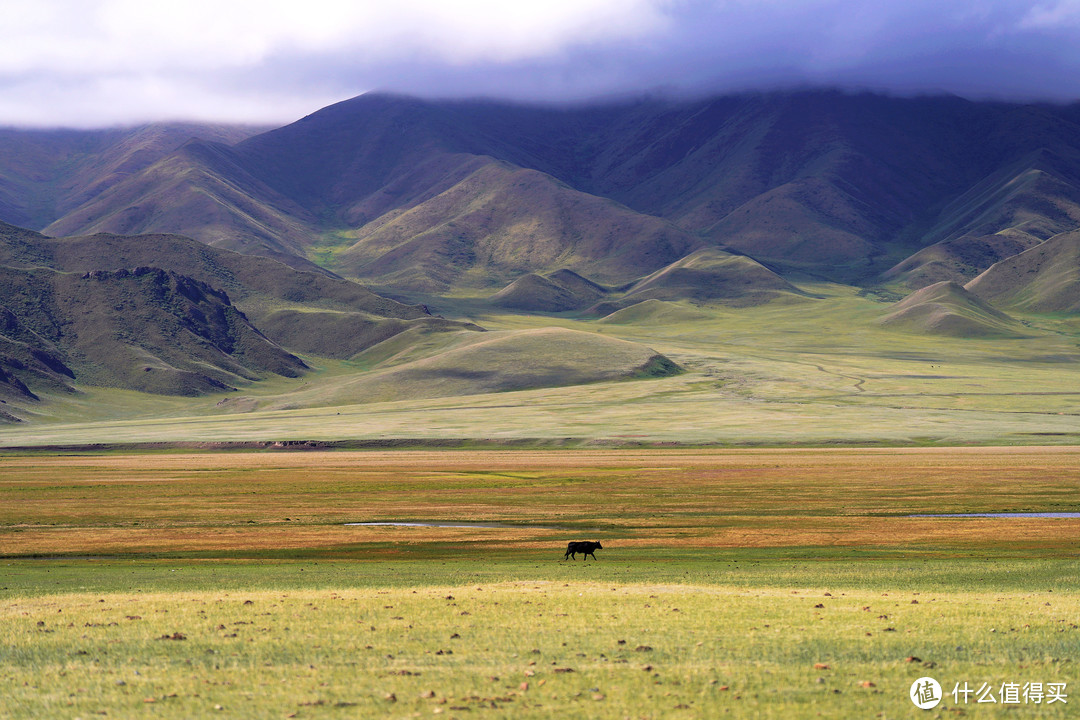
(746, 583)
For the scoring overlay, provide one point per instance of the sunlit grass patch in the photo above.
(533, 648)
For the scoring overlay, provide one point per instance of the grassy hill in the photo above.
(492, 362)
(1044, 278)
(75, 313)
(45, 174)
(946, 308)
(959, 259)
(254, 282)
(711, 275)
(560, 291)
(501, 222)
(144, 329)
(202, 192)
(1014, 209)
(655, 312)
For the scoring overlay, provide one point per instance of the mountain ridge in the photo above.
(841, 186)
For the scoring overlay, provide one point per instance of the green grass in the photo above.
(776, 584)
(633, 636)
(813, 372)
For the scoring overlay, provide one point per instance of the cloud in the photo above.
(94, 62)
(1053, 15)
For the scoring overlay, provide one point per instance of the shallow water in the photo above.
(1004, 515)
(494, 526)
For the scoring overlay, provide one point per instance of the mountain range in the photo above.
(248, 247)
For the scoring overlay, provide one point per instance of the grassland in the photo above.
(820, 371)
(748, 583)
(817, 371)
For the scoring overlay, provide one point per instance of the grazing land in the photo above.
(820, 372)
(746, 583)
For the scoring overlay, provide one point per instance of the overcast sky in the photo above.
(90, 63)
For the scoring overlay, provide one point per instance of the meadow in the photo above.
(817, 371)
(739, 583)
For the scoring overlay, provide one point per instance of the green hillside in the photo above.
(145, 329)
(560, 291)
(1044, 278)
(470, 269)
(199, 191)
(711, 274)
(45, 174)
(493, 362)
(946, 308)
(500, 222)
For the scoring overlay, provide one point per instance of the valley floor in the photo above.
(742, 583)
(817, 372)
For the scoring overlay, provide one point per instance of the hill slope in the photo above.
(202, 192)
(253, 282)
(560, 291)
(74, 313)
(45, 174)
(500, 222)
(946, 308)
(440, 193)
(1045, 278)
(499, 362)
(710, 275)
(145, 329)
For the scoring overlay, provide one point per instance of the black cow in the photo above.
(585, 547)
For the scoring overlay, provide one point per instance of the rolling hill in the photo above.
(478, 363)
(1044, 278)
(45, 174)
(559, 291)
(946, 308)
(500, 222)
(144, 329)
(199, 191)
(711, 274)
(103, 310)
(253, 282)
(959, 259)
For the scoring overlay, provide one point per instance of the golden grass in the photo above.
(253, 502)
(535, 649)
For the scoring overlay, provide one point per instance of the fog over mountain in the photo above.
(104, 62)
